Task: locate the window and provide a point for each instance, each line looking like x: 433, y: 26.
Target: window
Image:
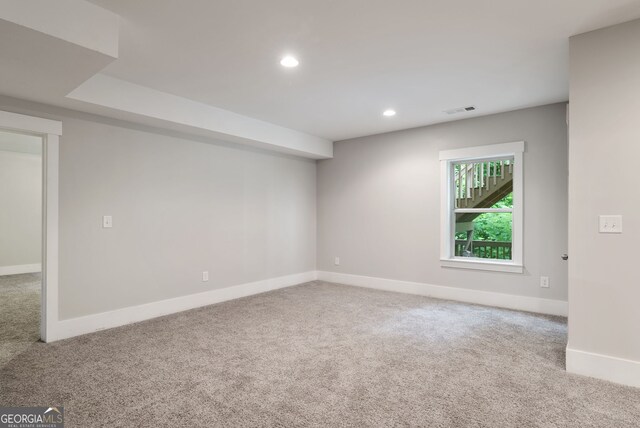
x: 482, y: 207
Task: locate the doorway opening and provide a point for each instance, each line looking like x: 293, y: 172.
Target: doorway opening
x: 21, y: 189
x: 46, y: 134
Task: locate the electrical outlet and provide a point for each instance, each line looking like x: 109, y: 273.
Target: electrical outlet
x: 610, y: 224
x: 337, y: 261
x: 544, y: 281
x: 205, y: 276
x: 107, y: 221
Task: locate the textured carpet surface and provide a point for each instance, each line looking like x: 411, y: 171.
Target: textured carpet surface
x: 19, y: 314
x: 321, y: 355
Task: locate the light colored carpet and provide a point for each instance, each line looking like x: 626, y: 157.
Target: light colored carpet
x: 19, y: 314
x: 321, y: 355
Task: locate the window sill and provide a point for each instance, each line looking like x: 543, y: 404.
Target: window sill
x: 479, y: 264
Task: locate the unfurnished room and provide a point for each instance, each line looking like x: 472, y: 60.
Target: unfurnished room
x: 319, y: 213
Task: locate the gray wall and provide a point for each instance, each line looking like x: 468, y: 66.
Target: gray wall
x: 179, y: 207
x: 20, y: 213
x: 379, y: 203
x: 604, y: 284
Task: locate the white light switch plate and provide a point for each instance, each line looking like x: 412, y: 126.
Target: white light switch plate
x: 205, y: 275
x: 107, y: 221
x: 610, y: 224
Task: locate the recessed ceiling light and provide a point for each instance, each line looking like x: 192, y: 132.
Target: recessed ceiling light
x: 289, y: 62
x: 389, y: 113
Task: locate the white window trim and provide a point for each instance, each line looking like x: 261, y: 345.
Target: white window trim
x: 447, y: 216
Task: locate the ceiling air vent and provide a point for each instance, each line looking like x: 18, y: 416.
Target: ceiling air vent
x: 460, y: 110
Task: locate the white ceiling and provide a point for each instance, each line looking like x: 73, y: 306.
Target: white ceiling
x: 357, y: 57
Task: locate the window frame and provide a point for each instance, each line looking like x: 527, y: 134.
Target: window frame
x: 447, y: 205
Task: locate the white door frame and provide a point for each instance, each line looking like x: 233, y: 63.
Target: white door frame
x: 50, y: 131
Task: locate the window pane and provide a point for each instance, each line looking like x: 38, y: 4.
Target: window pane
x: 486, y: 184
x: 486, y: 235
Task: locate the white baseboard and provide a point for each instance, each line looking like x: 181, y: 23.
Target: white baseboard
x: 613, y: 369
x: 509, y: 301
x: 64, y: 329
x: 18, y: 269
